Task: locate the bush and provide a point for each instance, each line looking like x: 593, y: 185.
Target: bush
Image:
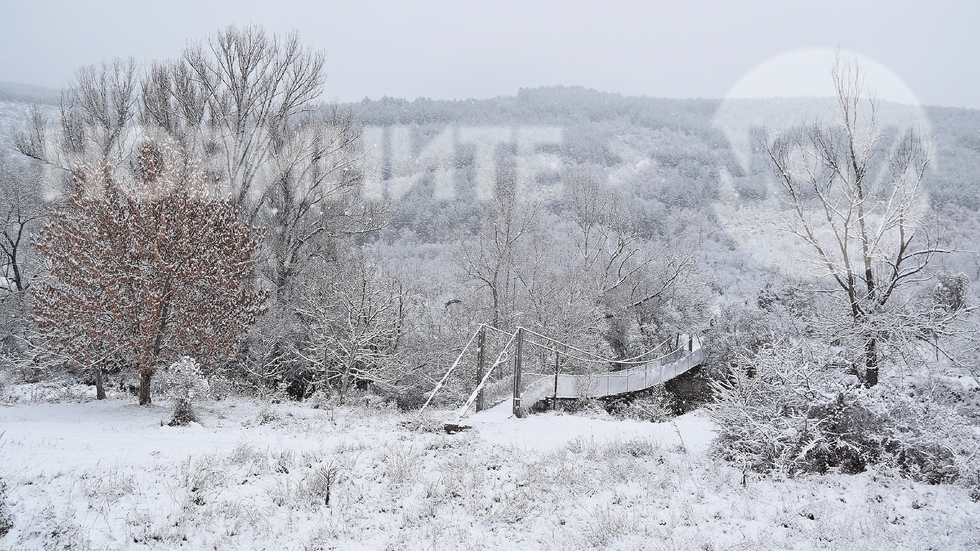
x: 799, y: 413
x: 319, y: 483
x: 6, y: 521
x: 656, y: 405
x: 184, y: 383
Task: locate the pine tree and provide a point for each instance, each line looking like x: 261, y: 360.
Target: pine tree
x: 147, y: 265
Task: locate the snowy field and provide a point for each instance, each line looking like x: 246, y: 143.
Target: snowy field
x: 84, y: 474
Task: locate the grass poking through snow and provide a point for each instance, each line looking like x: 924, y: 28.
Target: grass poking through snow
x: 287, y: 477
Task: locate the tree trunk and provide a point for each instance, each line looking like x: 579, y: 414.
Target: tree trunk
x: 99, y: 384
x: 871, y: 363
x: 145, y: 375
x: 344, y: 386
x: 18, y: 280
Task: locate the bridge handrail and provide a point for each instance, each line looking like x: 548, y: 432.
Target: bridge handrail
x: 690, y: 357
x: 451, y: 369
x: 486, y: 377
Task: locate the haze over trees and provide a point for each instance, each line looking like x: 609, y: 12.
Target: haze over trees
x: 213, y: 208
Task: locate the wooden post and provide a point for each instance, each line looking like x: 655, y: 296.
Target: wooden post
x: 517, y: 372
x: 554, y: 401
x: 481, y: 340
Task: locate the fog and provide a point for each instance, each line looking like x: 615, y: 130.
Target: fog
x: 446, y: 50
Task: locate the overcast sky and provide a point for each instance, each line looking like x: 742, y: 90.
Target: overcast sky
x: 456, y: 49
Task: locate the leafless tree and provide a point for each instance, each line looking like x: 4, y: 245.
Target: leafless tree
x: 606, y: 242
x: 96, y: 120
x: 249, y: 104
x: 313, y: 204
x: 21, y: 210
x: 246, y: 87
x: 492, y: 258
x: 633, y: 282
x: 356, y: 323
x: 855, y: 193
x: 587, y: 276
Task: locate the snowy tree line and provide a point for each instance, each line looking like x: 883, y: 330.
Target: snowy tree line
x: 307, y: 283
x: 238, y: 120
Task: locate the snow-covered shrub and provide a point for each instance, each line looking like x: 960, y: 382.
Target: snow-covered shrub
x: 184, y: 383
x: 413, y: 396
x: 319, y: 482
x: 321, y: 399
x: 961, y: 393
x: 657, y: 406
x: 268, y: 415
x: 587, y: 407
x: 924, y: 440
x: 798, y: 411
x: 951, y: 291
x: 221, y: 387
x: 6, y: 522
x: 423, y: 422
x: 738, y: 328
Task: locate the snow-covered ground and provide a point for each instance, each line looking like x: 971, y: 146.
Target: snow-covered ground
x: 83, y: 474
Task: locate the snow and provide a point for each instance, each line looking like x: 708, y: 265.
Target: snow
x: 86, y: 474
x: 549, y: 431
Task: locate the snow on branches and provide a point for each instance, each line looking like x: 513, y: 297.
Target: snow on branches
x: 148, y: 265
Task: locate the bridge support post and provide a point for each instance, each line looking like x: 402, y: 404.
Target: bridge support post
x: 481, y: 340
x: 517, y: 372
x: 554, y: 399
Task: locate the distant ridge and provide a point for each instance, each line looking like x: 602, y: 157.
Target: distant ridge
x: 11, y: 91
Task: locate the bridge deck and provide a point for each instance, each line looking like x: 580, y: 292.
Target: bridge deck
x: 541, y: 386
x: 599, y: 385
x: 537, y: 386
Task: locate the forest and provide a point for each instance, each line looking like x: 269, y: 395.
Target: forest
x: 204, y: 228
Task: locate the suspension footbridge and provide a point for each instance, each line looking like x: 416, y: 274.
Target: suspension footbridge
x: 527, y: 387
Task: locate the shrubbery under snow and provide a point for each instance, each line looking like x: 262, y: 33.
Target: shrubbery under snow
x: 789, y: 410
x: 184, y: 383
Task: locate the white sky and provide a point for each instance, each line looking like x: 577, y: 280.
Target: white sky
x: 456, y: 49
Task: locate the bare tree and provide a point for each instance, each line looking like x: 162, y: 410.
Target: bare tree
x: 21, y: 209
x: 22, y: 212
x: 632, y: 282
x: 587, y: 276
x: 245, y: 87
x: 248, y: 104
x: 313, y: 202
x: 356, y: 323
x: 854, y: 193
x: 606, y: 242
x: 492, y: 258
x: 96, y: 120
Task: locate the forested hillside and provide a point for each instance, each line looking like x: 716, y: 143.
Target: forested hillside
x: 674, y: 179
x: 207, y: 228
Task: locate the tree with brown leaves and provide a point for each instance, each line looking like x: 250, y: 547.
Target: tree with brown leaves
x: 147, y: 267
